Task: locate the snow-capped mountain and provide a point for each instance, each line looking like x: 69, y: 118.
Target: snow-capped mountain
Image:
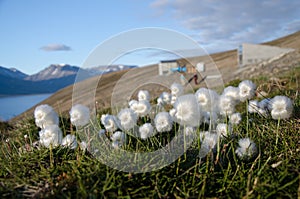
x: 12, y: 73
x: 54, y: 71
x: 48, y: 80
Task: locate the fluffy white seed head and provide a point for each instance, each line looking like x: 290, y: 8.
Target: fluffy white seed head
x: 51, y: 135
x: 247, y: 90
x: 146, y: 131
x: 281, y: 107
x: 173, y: 99
x: 69, y: 141
x: 128, y: 118
x: 110, y: 122
x: 141, y: 108
x: 143, y: 95
x: 226, y: 105
x: 80, y: 115
x: 160, y: 101
x: 253, y: 106
x: 246, y: 149
x: 82, y: 145
x: 45, y: 115
x: 262, y: 112
x: 223, y: 130
x: 118, y: 139
x: 233, y: 92
x: 172, y: 113
x: 132, y: 103
x: 176, y: 89
x: 235, y: 118
x: 208, y: 144
x: 187, y: 111
x: 163, y: 122
x: 166, y: 97
x: 207, y: 99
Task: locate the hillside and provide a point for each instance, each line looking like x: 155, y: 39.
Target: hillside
x: 225, y: 61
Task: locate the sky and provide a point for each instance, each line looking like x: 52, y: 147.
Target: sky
x: 35, y: 34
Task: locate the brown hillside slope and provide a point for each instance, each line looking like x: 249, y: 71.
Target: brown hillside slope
x: 124, y: 84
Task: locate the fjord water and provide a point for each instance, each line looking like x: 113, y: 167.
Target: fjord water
x: 11, y: 106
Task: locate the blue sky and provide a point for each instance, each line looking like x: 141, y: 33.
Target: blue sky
x: 35, y: 34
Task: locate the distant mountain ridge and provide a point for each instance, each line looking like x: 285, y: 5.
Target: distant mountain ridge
x: 48, y: 80
x: 54, y: 71
x: 12, y: 72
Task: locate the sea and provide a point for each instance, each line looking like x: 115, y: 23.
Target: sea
x: 11, y: 106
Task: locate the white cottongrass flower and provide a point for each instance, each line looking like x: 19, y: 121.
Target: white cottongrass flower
x: 176, y: 89
x: 247, y: 90
x: 132, y: 103
x: 110, y: 122
x: 50, y: 135
x: 83, y: 145
x: 253, y: 106
x: 226, y: 105
x: 143, y: 95
x: 173, y: 99
x: 207, y: 99
x: 246, y: 149
x: 160, y: 101
x: 223, y: 130
x: 146, y: 131
x: 118, y: 139
x: 141, y: 108
x: 262, y: 112
x: 69, y: 141
x: 163, y: 122
x: 166, y: 97
x: 208, y: 143
x: 45, y: 115
x: 187, y: 111
x: 233, y: 92
x: 172, y: 113
x: 80, y: 115
x: 235, y: 118
x: 281, y: 107
x: 128, y: 118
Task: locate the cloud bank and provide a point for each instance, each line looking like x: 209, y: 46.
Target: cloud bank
x: 55, y: 47
x: 216, y: 24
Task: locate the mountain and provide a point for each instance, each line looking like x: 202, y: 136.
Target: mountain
x: 54, y: 71
x: 50, y: 79
x: 12, y: 73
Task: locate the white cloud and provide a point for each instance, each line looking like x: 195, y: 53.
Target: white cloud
x: 218, y: 23
x: 159, y: 6
x: 56, y: 47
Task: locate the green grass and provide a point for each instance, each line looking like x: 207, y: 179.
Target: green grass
x: 26, y: 171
